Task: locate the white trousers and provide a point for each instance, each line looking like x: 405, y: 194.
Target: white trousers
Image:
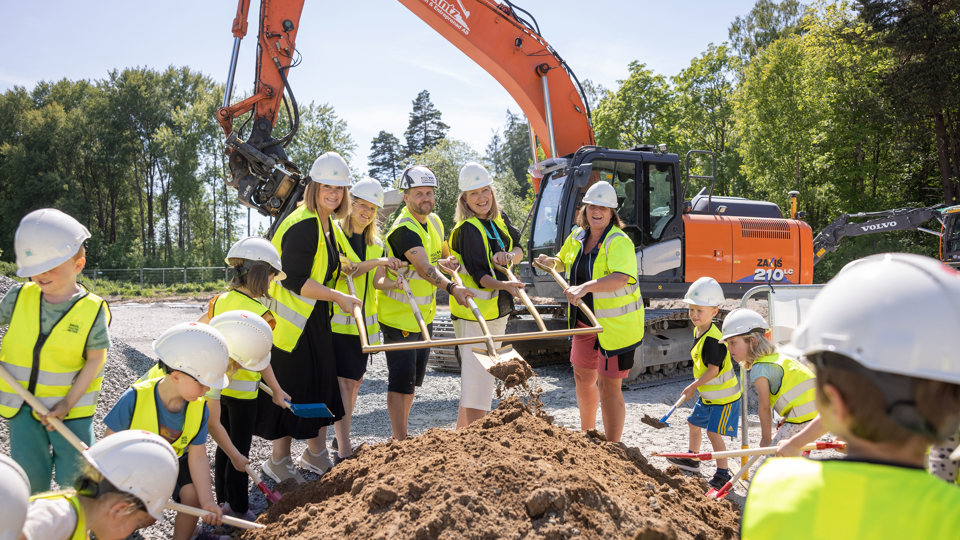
x: 476, y: 385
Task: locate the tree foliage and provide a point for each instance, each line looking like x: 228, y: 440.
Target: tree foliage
x: 425, y: 129
x: 385, y: 159
x: 767, y: 22
x: 639, y: 112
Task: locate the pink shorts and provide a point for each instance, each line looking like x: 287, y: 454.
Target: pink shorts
x: 584, y: 355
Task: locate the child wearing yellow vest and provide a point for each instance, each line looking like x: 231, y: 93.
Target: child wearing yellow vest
x: 194, y: 358
x: 883, y: 337
x: 255, y: 263
x: 128, y: 479
x: 718, y: 408
x: 55, y: 346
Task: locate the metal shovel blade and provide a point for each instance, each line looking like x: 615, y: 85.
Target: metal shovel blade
x: 310, y: 410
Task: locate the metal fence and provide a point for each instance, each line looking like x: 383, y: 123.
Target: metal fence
x: 159, y: 276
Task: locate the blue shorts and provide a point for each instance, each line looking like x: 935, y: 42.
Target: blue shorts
x: 722, y: 419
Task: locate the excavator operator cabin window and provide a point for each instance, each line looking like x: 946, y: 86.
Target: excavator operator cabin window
x: 622, y: 176
x: 661, y: 207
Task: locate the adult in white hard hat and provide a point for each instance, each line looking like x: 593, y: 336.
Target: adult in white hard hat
x: 883, y: 337
x: 417, y: 238
x: 15, y: 494
x: 56, y: 345
x: 483, y: 237
x: 303, y: 361
x: 362, y: 254
x: 601, y: 266
x: 193, y: 360
x: 129, y: 478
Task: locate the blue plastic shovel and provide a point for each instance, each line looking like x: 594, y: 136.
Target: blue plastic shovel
x: 303, y: 410
x: 661, y: 423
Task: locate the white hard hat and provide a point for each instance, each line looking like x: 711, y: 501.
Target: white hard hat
x: 248, y: 336
x: 601, y: 194
x: 196, y: 349
x: 474, y: 176
x: 254, y: 248
x: 742, y: 321
x: 15, y: 494
x: 140, y: 463
x: 369, y: 190
x: 705, y: 291
x: 896, y: 313
x: 330, y: 169
x: 45, y: 239
x: 417, y: 176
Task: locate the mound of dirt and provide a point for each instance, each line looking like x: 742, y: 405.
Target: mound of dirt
x: 510, y: 475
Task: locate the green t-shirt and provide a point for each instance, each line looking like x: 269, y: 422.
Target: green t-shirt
x: 50, y: 313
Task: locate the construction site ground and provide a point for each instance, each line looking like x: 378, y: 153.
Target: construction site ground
x: 525, y: 471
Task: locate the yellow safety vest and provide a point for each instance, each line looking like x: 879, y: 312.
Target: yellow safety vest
x: 620, y: 312
x: 394, y: 310
x: 80, y: 531
x: 795, y: 401
x: 803, y: 499
x: 486, y: 299
x: 344, y: 323
x: 47, y: 365
x: 290, y: 309
x: 244, y: 384
x: 145, y: 415
x: 723, y: 388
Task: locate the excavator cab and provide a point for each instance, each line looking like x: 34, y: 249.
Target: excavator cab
x: 950, y: 239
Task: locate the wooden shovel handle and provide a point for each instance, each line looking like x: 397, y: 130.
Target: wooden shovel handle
x: 563, y: 283
x: 38, y: 406
x: 358, y: 314
x: 523, y: 297
x: 227, y: 520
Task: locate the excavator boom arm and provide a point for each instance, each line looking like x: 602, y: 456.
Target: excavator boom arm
x: 900, y: 219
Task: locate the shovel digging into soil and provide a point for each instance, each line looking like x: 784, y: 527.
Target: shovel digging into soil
x: 661, y: 423
x: 505, y: 363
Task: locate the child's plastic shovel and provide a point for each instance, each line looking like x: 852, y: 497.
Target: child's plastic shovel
x: 303, y: 410
x: 272, y: 496
x: 718, y: 494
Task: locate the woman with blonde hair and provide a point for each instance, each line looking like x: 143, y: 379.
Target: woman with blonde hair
x: 303, y: 358
x: 482, y: 238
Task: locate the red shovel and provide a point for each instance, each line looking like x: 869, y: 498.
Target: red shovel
x: 272, y: 496
x: 718, y: 494
x: 764, y: 450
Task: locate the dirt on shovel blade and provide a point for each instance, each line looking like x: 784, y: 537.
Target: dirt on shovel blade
x: 655, y: 422
x: 512, y: 372
x: 508, y: 475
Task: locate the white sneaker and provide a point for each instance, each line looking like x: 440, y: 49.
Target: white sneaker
x: 281, y: 470
x: 318, y: 463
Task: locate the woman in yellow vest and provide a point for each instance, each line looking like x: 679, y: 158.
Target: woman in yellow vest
x: 303, y: 358
x: 481, y: 238
x: 358, y: 239
x: 601, y: 265
x: 783, y: 384
x: 233, y: 411
x: 128, y: 479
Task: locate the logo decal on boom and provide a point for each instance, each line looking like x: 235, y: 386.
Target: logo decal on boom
x: 454, y: 14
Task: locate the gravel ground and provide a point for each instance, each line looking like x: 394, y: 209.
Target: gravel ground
x: 136, y: 325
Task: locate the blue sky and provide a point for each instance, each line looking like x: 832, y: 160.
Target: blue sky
x: 368, y: 59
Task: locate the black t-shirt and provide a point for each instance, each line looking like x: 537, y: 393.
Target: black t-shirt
x: 713, y: 352
x: 468, y: 242
x: 582, y: 271
x: 358, y: 244
x: 299, y: 247
x: 403, y: 239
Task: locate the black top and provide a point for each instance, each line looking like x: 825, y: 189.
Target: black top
x: 358, y: 244
x: 468, y: 242
x: 713, y: 352
x: 582, y: 271
x: 403, y: 239
x: 299, y: 247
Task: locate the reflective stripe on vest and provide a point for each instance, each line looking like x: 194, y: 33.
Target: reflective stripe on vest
x: 292, y: 310
x: 145, y: 415
x: 243, y: 383
x: 47, y: 365
x: 795, y: 400
x: 80, y: 531
x: 723, y: 388
x: 393, y: 309
x: 804, y: 499
x: 344, y: 323
x: 487, y: 300
x: 621, y: 312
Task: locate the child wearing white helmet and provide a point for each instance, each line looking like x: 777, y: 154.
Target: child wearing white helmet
x: 883, y: 338
x: 483, y: 237
x: 15, y: 494
x: 361, y: 250
x: 128, y: 479
x: 56, y: 346
x: 718, y: 408
x: 194, y: 358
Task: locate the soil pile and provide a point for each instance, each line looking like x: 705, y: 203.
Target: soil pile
x: 512, y: 372
x: 510, y: 475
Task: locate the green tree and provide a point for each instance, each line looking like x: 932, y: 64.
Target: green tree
x: 767, y: 22
x: 509, y: 153
x: 446, y: 159
x: 425, y: 129
x: 321, y: 130
x: 385, y: 159
x: 639, y: 112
